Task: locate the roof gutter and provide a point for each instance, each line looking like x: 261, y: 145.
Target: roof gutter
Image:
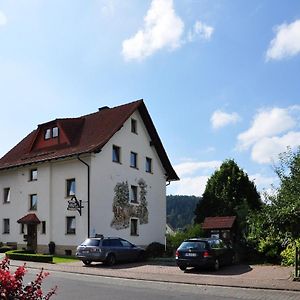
x: 88, y: 196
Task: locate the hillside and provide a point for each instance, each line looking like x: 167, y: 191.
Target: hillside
x: 180, y: 210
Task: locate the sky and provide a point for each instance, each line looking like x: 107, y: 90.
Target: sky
x: 220, y: 78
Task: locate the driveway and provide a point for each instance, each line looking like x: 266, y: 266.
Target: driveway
x: 248, y: 276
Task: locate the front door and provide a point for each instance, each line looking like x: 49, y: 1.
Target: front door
x: 32, y: 237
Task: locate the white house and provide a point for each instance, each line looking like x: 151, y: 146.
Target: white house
x: 102, y: 173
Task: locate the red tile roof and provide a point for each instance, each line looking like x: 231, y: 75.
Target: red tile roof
x: 218, y: 222
x: 29, y: 219
x: 85, y: 134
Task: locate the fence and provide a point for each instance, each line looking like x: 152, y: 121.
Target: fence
x: 297, y: 263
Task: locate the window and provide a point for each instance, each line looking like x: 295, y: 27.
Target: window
x: 116, y: 154
x: 43, y: 231
x: 71, y: 187
x: 55, y: 132
x: 133, y: 159
x: 6, y: 226
x: 33, y: 174
x: 134, y: 227
x: 133, y: 126
x: 148, y: 165
x: 51, y: 133
x: 71, y: 225
x: 134, y: 194
x: 6, y: 193
x: 33, y: 202
x: 22, y: 228
x: 47, y: 134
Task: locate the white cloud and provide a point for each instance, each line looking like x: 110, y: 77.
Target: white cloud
x: 188, y: 186
x: 272, y: 131
x: 220, y: 119
x: 162, y: 29
x: 267, y: 149
x: 202, y: 30
x: 267, y: 123
x: 188, y: 168
x: 193, y: 177
x: 262, y: 181
x: 286, y: 42
x: 3, y: 19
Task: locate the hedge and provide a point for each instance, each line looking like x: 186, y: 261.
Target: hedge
x: 4, y: 249
x: 24, y: 255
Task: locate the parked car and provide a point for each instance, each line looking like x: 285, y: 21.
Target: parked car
x: 108, y: 250
x: 204, y: 252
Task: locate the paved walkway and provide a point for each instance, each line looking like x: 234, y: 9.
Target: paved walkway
x: 257, y: 276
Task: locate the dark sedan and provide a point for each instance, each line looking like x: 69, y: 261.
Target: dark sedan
x: 204, y: 252
x: 108, y: 250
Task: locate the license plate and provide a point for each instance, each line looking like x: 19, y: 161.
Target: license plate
x: 191, y: 254
x: 85, y: 251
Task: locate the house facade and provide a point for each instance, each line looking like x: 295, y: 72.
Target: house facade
x: 103, y: 173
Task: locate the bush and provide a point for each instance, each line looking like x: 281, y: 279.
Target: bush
x: 288, y: 254
x: 4, y: 249
x: 155, y: 249
x: 12, y: 286
x: 24, y: 255
x: 174, y: 241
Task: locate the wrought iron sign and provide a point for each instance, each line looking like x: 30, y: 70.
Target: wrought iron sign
x: 74, y: 204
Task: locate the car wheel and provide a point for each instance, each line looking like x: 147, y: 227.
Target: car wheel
x: 141, y: 256
x: 87, y: 262
x: 182, y: 267
x: 216, y: 265
x: 110, y: 260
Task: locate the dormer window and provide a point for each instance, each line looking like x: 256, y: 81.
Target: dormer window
x: 47, y: 134
x: 51, y: 133
x: 55, y: 132
x: 133, y: 126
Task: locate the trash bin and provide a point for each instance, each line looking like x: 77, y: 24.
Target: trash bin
x: 51, y: 246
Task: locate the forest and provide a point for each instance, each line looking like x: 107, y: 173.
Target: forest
x: 181, y: 210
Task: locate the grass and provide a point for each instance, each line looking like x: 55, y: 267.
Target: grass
x: 64, y: 259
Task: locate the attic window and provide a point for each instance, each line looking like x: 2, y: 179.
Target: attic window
x: 133, y: 126
x: 51, y: 133
x: 55, y: 132
x: 47, y: 134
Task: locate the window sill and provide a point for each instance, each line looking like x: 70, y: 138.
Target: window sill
x: 6, y: 202
x: 134, y: 167
x: 5, y: 233
x: 134, y: 235
x: 117, y: 162
x: 71, y: 233
x: 134, y: 202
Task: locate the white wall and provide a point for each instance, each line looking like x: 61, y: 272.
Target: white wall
x: 106, y: 174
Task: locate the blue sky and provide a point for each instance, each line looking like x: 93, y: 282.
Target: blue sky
x: 220, y: 78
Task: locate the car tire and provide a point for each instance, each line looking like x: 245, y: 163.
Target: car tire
x: 141, y: 256
x: 87, y: 262
x: 182, y: 267
x: 216, y: 265
x: 110, y: 260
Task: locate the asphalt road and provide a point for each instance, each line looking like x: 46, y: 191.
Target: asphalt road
x: 88, y: 287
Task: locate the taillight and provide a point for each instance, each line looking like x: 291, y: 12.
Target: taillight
x: 177, y: 254
x: 206, y: 254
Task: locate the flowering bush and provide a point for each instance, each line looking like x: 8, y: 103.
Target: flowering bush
x: 12, y: 287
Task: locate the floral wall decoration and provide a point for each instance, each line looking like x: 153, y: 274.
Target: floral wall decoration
x: 122, y: 208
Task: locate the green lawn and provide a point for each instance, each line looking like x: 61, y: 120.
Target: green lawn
x: 64, y: 259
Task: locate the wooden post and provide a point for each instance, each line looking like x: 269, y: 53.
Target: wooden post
x: 297, y: 262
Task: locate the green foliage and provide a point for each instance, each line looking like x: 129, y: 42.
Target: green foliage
x: 288, y: 254
x: 229, y: 192
x: 23, y: 255
x: 180, y: 210
x: 174, y: 241
x: 278, y: 222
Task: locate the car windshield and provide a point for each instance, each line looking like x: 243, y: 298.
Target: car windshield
x: 198, y: 245
x: 90, y: 242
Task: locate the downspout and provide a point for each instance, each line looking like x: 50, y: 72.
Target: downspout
x: 88, y: 195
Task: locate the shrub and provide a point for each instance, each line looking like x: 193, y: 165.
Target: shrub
x: 24, y: 255
x: 155, y: 249
x: 4, y: 249
x: 12, y: 287
x: 288, y: 254
x: 174, y: 241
